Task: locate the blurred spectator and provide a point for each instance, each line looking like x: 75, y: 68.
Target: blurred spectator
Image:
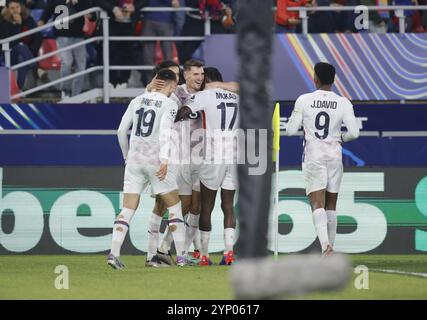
x: 123, y: 17
x: 179, y: 19
x: 194, y: 25
x: 68, y: 36
x: 378, y: 20
x: 423, y: 14
x: 158, y: 24
x: 344, y: 20
x: 286, y: 21
x: 321, y: 21
x: 35, y: 4
x: 394, y: 25
x: 16, y: 19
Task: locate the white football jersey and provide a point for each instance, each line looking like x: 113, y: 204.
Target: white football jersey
x: 322, y: 113
x: 188, y: 126
x: 152, y: 117
x: 220, y: 117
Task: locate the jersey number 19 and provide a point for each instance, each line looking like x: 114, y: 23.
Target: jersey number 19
x: 145, y: 123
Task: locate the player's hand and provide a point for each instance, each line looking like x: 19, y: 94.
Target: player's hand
x: 17, y: 18
x: 161, y: 174
x: 156, y: 84
x: 294, y: 21
x: 40, y: 23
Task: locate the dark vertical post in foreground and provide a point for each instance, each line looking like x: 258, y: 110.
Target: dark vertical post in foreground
x: 255, y: 28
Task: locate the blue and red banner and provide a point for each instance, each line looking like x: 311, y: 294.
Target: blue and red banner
x: 369, y: 66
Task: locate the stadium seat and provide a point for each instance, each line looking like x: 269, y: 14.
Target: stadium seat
x: 53, y: 62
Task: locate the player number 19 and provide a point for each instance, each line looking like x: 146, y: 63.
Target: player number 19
x: 145, y: 120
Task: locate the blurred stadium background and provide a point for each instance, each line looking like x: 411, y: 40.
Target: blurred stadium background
x: 61, y: 170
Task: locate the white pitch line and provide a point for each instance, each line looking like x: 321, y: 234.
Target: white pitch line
x: 416, y: 274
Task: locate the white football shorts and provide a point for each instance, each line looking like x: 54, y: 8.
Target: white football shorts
x: 188, y: 179
x: 215, y: 176
x: 138, y: 177
x: 320, y: 175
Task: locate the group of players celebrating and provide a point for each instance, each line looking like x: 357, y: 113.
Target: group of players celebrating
x: 183, y: 145
x: 173, y: 126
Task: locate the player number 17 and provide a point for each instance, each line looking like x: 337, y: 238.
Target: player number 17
x: 224, y: 107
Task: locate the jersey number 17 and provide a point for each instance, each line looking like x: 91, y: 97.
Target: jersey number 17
x: 224, y: 107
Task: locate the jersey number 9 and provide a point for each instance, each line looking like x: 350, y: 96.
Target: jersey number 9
x: 322, y: 124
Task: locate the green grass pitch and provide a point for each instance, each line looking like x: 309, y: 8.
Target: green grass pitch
x: 33, y: 277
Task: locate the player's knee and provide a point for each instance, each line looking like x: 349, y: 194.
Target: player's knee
x: 317, y: 205
x: 185, y: 209
x: 195, y: 209
x: 123, y: 219
x: 159, y: 210
x: 331, y: 207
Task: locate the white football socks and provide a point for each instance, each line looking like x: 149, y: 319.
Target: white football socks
x: 196, y: 241
x: 332, y: 226
x: 229, y: 239
x: 321, y: 224
x: 204, y: 243
x: 166, y: 244
x: 177, y: 227
x: 153, y: 235
x: 120, y: 228
x: 192, y: 228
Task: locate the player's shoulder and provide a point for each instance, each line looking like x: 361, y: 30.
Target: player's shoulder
x: 304, y: 97
x: 169, y: 101
x: 138, y: 99
x: 200, y: 95
x: 175, y: 98
x: 336, y: 96
x: 344, y: 101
